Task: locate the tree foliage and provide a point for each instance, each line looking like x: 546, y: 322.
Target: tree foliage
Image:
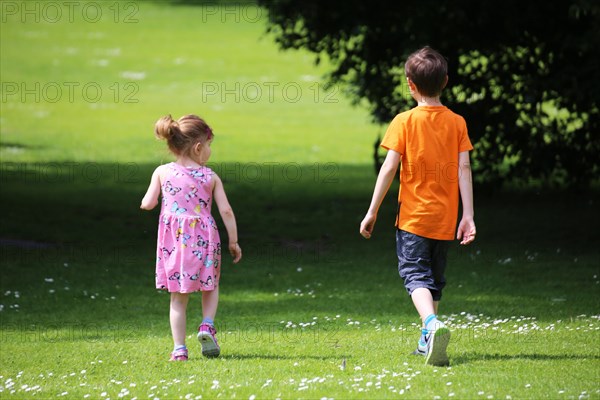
x: 524, y: 74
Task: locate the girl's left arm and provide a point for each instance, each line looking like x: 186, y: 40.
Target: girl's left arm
x: 228, y: 218
x: 150, y: 200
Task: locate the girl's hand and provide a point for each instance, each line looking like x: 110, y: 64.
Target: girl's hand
x: 236, y: 252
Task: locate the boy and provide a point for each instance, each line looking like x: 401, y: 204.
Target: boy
x: 431, y: 144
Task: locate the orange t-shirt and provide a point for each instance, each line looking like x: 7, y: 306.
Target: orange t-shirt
x: 428, y: 139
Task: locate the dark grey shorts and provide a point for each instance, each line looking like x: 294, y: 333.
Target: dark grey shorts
x: 422, y: 262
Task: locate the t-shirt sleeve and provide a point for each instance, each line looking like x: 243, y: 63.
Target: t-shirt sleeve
x: 394, y: 136
x: 464, y: 143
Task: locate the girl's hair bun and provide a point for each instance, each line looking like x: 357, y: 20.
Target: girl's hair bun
x: 166, y: 128
x: 183, y: 134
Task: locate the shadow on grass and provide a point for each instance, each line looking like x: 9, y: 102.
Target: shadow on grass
x: 298, y: 225
x: 479, y: 357
x: 276, y: 357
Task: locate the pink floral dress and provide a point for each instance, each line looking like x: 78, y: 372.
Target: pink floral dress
x: 189, y: 248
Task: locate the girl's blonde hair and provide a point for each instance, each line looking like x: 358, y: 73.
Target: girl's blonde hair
x: 183, y: 134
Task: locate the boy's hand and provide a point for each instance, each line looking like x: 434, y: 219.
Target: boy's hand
x: 466, y: 230
x: 367, y: 225
x: 236, y: 252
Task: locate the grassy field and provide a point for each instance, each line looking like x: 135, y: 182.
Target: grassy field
x: 313, y: 310
x: 86, y: 91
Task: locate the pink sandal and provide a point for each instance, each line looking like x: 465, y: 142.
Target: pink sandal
x: 208, y: 340
x: 179, y: 355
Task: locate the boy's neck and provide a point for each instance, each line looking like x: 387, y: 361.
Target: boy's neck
x: 429, y: 103
x: 424, y: 101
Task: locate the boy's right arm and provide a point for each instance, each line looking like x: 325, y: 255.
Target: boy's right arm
x: 384, y: 180
x: 150, y: 199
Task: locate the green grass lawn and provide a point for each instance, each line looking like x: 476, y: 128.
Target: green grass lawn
x: 313, y: 310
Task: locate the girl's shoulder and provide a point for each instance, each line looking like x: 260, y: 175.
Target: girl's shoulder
x: 163, y: 169
x: 204, y: 171
x: 214, y: 177
x: 210, y: 171
x: 202, y: 174
x: 159, y: 171
x: 169, y: 171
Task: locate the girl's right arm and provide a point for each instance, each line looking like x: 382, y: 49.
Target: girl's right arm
x: 228, y: 219
x: 150, y: 200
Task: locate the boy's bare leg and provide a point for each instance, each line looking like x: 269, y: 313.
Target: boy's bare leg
x: 423, y: 302
x: 435, y: 347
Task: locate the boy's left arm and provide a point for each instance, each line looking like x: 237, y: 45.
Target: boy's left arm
x: 466, y: 228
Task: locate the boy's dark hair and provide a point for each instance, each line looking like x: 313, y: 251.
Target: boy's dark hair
x: 428, y: 70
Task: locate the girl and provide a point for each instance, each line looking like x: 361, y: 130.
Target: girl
x: 188, y: 255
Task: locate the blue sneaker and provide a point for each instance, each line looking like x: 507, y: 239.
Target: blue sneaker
x: 421, y: 349
x: 436, y: 347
